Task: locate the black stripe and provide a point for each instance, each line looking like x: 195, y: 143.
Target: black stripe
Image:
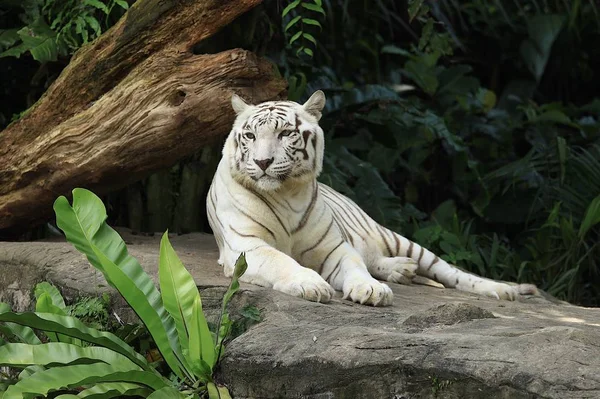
x: 263, y: 199
x: 334, y: 269
x: 433, y: 262
x: 256, y: 221
x: 421, y: 255
x: 342, y: 219
x: 349, y: 217
x: 387, y: 246
x: 320, y: 240
x: 353, y: 205
x: 309, y: 209
x: 328, y: 255
x: 397, y: 244
x: 242, y: 234
x: 409, y: 252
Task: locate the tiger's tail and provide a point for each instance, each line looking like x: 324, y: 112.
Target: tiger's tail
x: 431, y: 266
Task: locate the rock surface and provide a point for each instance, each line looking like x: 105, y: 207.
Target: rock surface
x: 432, y: 343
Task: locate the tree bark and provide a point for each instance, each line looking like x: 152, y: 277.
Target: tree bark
x: 134, y: 101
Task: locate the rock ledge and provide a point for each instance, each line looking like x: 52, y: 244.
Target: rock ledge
x: 432, y: 343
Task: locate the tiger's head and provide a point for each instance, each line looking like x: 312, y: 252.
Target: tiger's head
x: 276, y: 144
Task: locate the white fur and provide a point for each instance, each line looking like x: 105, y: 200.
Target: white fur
x: 299, y: 236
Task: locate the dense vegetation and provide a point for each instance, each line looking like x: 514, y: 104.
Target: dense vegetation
x: 471, y: 127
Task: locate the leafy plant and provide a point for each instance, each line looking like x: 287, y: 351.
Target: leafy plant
x: 56, y: 28
x: 174, y: 319
x: 302, y: 15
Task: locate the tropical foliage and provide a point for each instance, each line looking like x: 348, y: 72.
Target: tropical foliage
x: 53, y: 28
x: 73, y: 357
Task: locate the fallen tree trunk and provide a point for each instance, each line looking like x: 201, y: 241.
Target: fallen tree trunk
x: 135, y: 100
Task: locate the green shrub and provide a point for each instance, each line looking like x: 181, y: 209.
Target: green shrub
x: 77, y: 357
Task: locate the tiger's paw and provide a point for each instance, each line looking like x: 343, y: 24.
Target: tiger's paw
x: 493, y: 289
x: 367, y: 291
x: 307, y: 284
x: 398, y: 269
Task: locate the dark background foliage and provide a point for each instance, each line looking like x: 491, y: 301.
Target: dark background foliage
x: 471, y: 127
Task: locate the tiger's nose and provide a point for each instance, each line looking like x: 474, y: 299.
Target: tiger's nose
x: 263, y: 163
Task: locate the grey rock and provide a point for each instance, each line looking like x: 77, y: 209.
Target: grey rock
x: 432, y: 343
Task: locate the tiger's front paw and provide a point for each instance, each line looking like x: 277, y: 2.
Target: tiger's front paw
x: 307, y: 284
x: 367, y: 291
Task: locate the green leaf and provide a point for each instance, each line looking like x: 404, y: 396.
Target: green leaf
x: 166, y: 393
x: 561, y: 146
x: 591, y: 218
x: 138, y: 301
x: 311, y: 38
x: 94, y: 24
x: 114, y: 389
x: 289, y: 8
x: 180, y: 295
x: 292, y: 23
x: 224, y: 322
x: 413, y: 9
x: 310, y: 21
x: 295, y: 37
x: 314, y: 7
x: 217, y: 392
x: 85, y: 227
x: 29, y: 370
x: 40, y: 40
x: 391, y: 49
x: 426, y: 33
x: 122, y: 3
x: 202, y: 349
x: 308, y: 51
x: 15, y: 51
x: 422, y: 70
x: 535, y: 50
x: 97, y: 4
x: 24, y: 333
x: 53, y: 353
x: 81, y: 28
x: 44, y: 305
x: 8, y: 37
x: 553, y: 116
x: 74, y: 328
x: 52, y: 291
x: 43, y: 382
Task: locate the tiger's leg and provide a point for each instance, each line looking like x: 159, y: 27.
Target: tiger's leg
x: 269, y: 267
x: 398, y: 269
x: 343, y: 267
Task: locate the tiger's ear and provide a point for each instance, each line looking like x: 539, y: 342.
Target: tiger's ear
x: 238, y: 104
x: 314, y: 105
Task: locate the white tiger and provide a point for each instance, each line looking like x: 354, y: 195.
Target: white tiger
x: 302, y: 237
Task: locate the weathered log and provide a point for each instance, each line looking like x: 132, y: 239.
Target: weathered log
x: 134, y: 101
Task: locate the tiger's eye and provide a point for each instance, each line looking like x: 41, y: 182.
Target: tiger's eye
x: 249, y: 136
x: 285, y: 133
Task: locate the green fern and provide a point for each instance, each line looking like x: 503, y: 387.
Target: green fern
x: 55, y: 28
x: 301, y: 21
